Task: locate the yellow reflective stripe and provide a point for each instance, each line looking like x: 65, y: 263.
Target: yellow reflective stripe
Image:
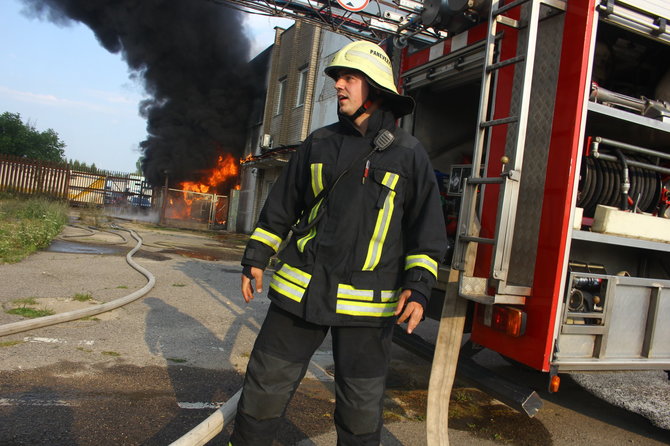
x: 295, y: 275
x: 316, y: 170
x: 286, y: 288
x: 317, y: 178
x: 366, y: 309
x: 421, y: 261
x: 302, y: 242
x: 390, y: 180
x: 379, y: 235
x: 349, y: 292
x: 384, y: 68
x: 270, y: 239
x: 390, y: 296
x: 376, y: 245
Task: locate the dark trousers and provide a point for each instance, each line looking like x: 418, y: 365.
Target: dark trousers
x: 279, y: 361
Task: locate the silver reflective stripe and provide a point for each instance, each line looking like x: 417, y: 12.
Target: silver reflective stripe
x: 349, y: 292
x: 379, y: 236
x: 295, y: 275
x: 390, y: 180
x: 355, y: 302
x: 388, y: 296
x: 421, y: 261
x: 267, y: 237
x: 380, y: 65
x: 382, y: 225
x: 365, y: 308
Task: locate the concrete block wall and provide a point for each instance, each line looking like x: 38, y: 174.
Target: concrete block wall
x: 295, y: 49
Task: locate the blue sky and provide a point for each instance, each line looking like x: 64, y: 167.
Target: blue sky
x: 61, y: 78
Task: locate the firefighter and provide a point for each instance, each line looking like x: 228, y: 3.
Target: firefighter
x: 361, y: 204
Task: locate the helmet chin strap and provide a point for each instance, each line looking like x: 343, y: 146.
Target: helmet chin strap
x: 372, y: 97
x: 362, y: 109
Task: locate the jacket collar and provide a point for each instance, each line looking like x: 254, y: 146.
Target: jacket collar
x: 380, y: 119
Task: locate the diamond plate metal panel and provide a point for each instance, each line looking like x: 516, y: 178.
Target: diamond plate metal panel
x: 545, y: 76
x: 473, y: 286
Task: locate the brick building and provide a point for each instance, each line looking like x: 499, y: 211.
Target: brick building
x: 298, y: 99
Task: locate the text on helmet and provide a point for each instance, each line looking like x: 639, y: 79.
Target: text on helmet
x: 380, y: 55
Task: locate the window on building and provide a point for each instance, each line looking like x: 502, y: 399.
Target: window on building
x: 281, y: 93
x: 302, y: 87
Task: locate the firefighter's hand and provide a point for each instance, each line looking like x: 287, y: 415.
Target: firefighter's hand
x: 247, y: 289
x: 411, y: 312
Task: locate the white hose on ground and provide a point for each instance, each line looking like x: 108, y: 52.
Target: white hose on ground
x: 212, y: 425
x: 17, y: 327
x: 199, y: 435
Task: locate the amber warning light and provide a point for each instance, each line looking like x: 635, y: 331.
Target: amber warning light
x: 509, y: 320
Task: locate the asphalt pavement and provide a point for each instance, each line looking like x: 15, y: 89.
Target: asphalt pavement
x: 148, y: 372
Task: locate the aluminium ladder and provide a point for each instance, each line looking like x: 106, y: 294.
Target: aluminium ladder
x: 470, y: 286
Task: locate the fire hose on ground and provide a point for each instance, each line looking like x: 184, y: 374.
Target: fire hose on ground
x: 212, y: 425
x: 18, y: 327
x: 202, y: 433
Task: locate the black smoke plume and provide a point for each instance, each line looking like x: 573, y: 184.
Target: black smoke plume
x: 191, y: 56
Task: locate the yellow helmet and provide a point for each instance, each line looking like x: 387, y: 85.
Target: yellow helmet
x: 374, y: 63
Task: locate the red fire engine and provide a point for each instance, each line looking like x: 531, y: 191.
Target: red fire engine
x: 563, y: 234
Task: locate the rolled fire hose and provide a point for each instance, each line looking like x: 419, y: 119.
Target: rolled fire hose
x: 17, y: 327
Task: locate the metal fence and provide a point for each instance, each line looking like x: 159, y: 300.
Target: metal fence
x: 122, y: 195
x: 194, y: 210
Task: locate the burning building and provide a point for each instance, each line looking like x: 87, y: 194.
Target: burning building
x: 204, y: 203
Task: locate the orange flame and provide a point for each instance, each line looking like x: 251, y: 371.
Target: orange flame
x: 227, y: 167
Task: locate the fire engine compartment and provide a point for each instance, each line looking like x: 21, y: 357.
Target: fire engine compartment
x: 613, y: 310
x: 629, y: 105
x: 633, y: 120
x: 616, y: 307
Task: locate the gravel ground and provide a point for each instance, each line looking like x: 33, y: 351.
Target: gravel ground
x: 644, y: 392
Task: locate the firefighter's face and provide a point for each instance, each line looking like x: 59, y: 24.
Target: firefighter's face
x: 352, y: 91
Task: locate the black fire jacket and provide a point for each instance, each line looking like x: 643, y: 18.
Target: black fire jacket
x: 378, y: 231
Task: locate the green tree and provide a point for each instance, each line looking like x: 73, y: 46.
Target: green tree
x: 23, y: 140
